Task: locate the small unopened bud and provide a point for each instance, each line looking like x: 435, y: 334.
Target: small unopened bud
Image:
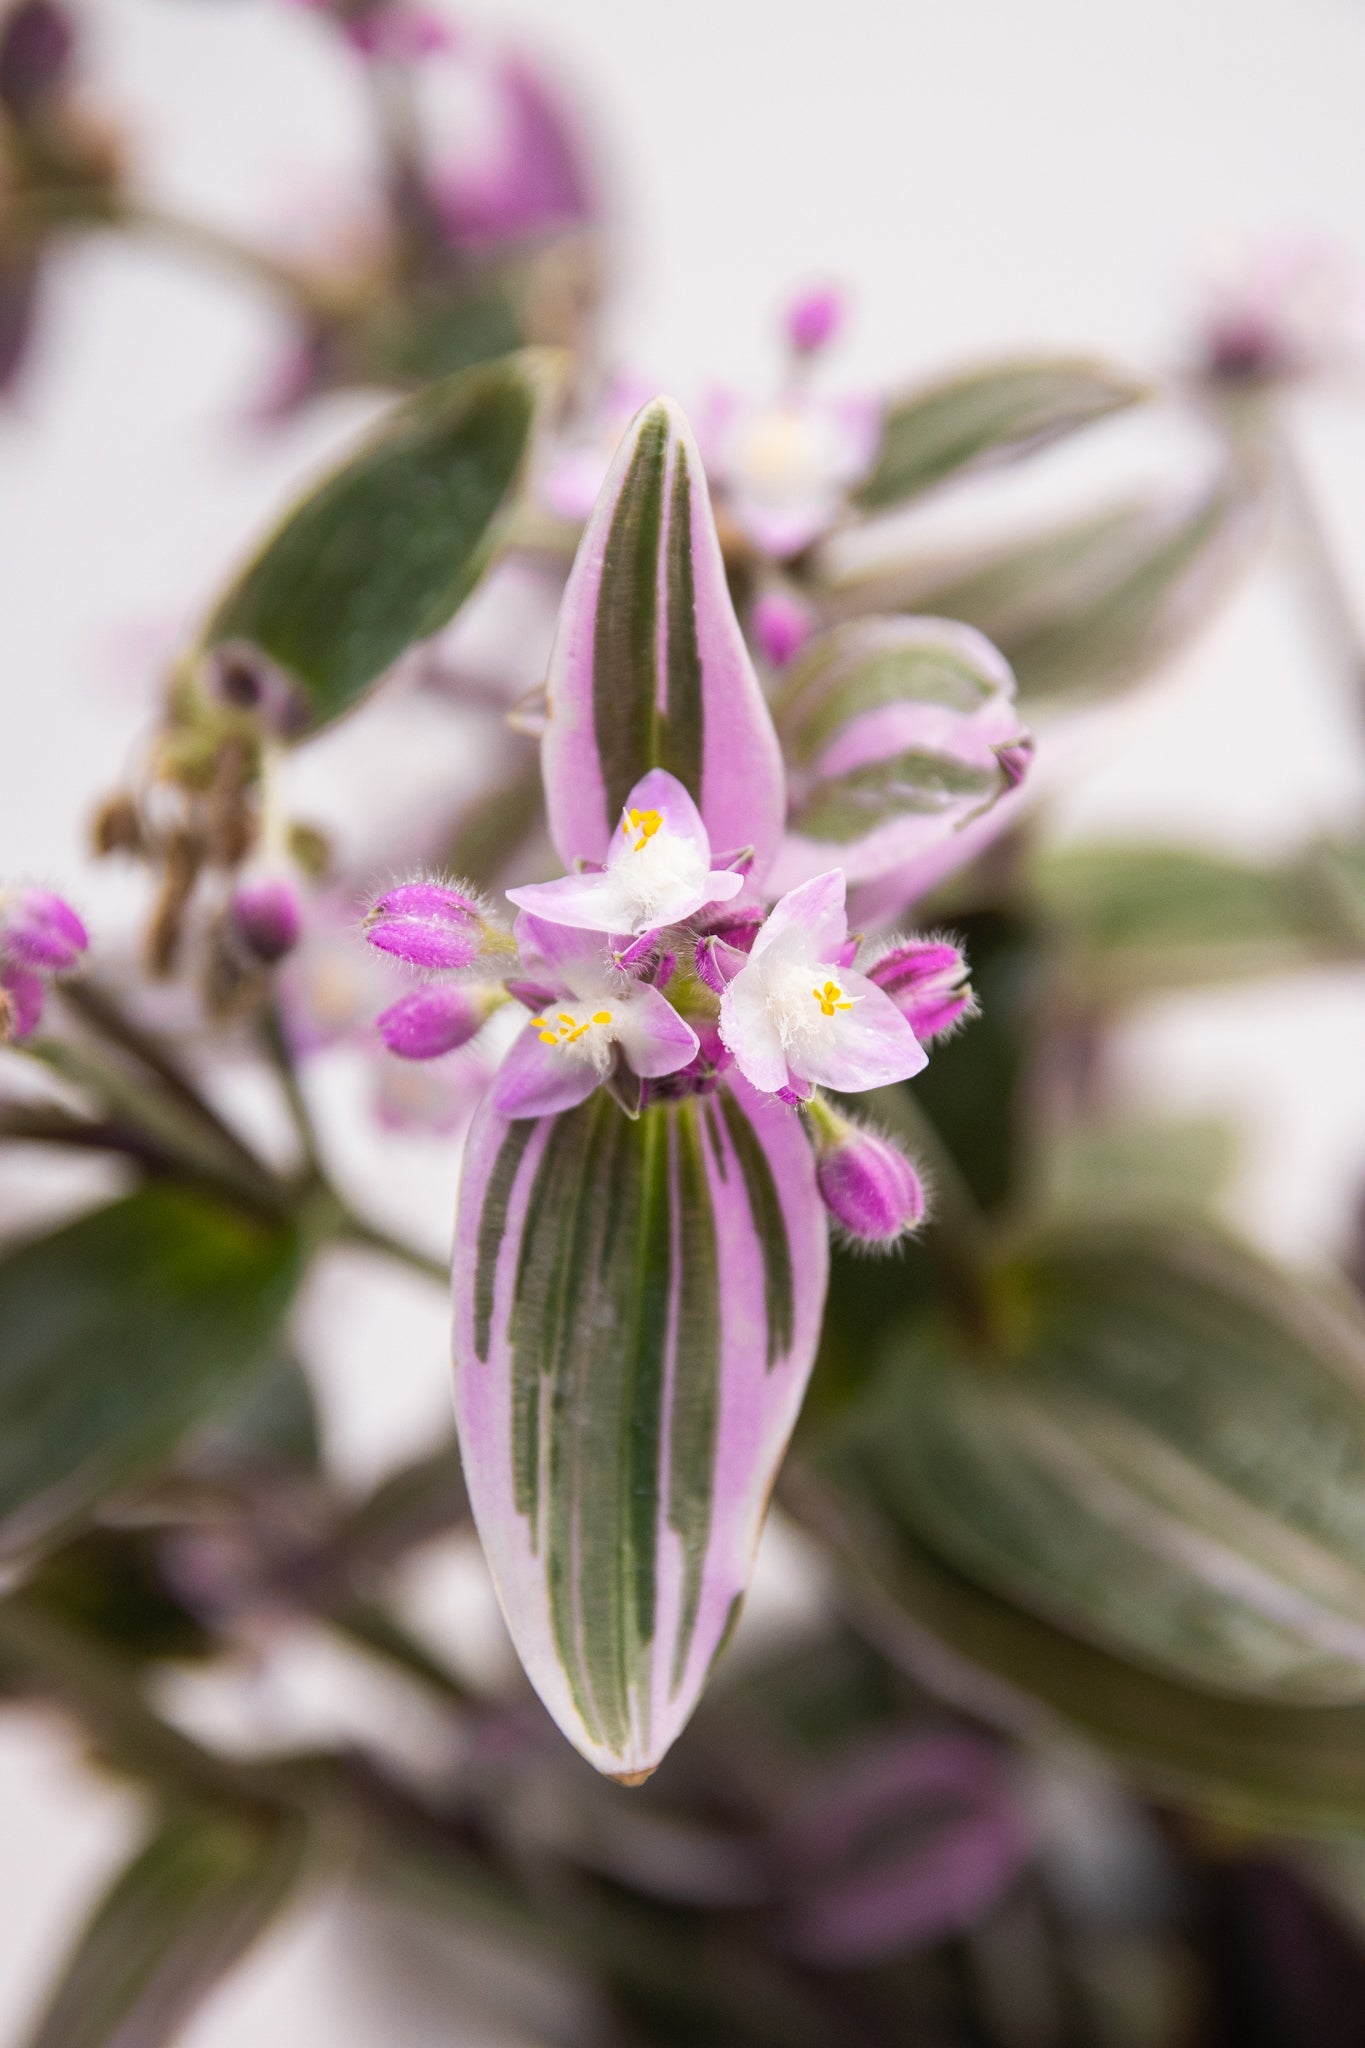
x: 868, y: 1185
x: 781, y: 624
x: 927, y: 981
x: 40, y: 931
x: 1015, y: 758
x: 267, y: 917
x: 21, y: 1003
x: 429, y: 924
x: 436, y: 1020
x: 814, y: 318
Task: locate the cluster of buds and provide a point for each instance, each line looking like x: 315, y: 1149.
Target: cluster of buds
x: 443, y: 928
x: 210, y: 819
x: 651, y: 974
x: 40, y: 936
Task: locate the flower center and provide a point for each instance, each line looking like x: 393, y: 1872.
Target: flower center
x: 568, y: 1026
x: 646, y: 823
x: 831, y: 998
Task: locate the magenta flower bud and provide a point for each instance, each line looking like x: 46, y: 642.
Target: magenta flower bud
x: 21, y: 1003
x: 267, y: 917
x: 428, y: 924
x: 927, y: 981
x: 868, y: 1185
x: 436, y: 1020
x: 814, y: 318
x: 40, y: 931
x: 781, y: 626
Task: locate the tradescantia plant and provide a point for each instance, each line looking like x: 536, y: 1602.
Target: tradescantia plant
x: 743, y: 952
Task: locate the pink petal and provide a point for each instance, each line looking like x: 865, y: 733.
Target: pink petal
x: 874, y: 1045
x: 817, y: 909
x: 653, y: 1037
x: 748, y: 1030
x: 541, y: 1080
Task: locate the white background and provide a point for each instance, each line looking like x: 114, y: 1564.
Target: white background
x: 981, y: 176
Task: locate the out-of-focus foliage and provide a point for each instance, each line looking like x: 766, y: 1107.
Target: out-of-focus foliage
x: 1080, y: 1480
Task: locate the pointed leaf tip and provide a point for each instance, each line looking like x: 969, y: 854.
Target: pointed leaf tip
x: 649, y: 668
x: 636, y: 1311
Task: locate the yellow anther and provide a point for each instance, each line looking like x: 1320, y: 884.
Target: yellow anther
x: 646, y: 823
x: 831, y: 998
x: 567, y: 1017
x: 601, y: 1016
x: 539, y: 1024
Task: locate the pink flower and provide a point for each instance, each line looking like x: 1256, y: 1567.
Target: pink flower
x: 267, y: 916
x: 588, y: 1014
x: 797, y: 1015
x: 658, y: 869
x: 785, y: 468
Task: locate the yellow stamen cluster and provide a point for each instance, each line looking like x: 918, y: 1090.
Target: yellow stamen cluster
x: 566, y: 1030
x: 646, y: 823
x: 831, y: 998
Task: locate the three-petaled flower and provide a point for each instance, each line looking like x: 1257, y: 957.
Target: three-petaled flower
x: 658, y: 870
x: 588, y: 1015
x: 797, y: 1015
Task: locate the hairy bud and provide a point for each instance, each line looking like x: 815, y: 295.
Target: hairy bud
x: 868, y: 1185
x: 429, y: 924
x: 436, y: 1020
x: 40, y: 931
x: 927, y: 981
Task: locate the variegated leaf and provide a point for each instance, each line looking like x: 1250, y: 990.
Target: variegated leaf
x: 1085, y: 608
x: 649, y: 668
x: 385, y: 550
x: 1166, y: 1454
x: 898, y: 732
x: 637, y: 1307
x: 988, y: 416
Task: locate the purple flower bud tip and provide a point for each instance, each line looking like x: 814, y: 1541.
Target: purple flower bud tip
x: 814, y: 318
x: 35, y: 53
x: 268, y: 918
x: 1015, y: 758
x: 781, y: 626
x: 436, y: 1020
x: 21, y: 1003
x: 927, y: 981
x: 428, y: 924
x: 868, y: 1185
x: 40, y: 931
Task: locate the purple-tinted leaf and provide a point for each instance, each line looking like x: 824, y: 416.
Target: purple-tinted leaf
x: 649, y: 668
x: 637, y: 1305
x: 907, y: 1842
x: 899, y: 733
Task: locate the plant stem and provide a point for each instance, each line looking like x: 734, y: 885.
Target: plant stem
x: 353, y: 1229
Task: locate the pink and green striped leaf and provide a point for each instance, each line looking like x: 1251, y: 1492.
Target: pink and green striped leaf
x: 649, y: 668
x: 637, y: 1308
